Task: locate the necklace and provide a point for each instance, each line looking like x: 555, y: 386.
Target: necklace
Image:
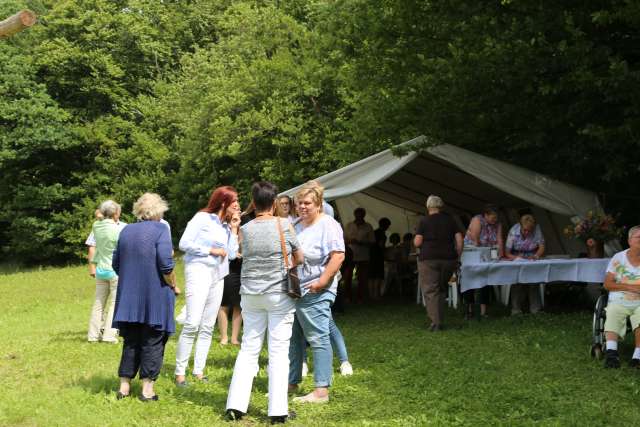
x: 264, y: 214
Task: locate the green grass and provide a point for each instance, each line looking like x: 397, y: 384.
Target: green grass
x: 504, y: 371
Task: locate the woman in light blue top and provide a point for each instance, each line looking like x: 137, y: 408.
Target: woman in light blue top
x: 322, y: 242
x: 209, y: 242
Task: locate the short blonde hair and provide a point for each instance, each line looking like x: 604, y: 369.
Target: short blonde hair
x: 527, y: 220
x: 150, y: 206
x: 434, y: 202
x: 314, y: 189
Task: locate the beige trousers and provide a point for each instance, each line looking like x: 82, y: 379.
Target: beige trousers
x: 434, y: 276
x: 102, y: 312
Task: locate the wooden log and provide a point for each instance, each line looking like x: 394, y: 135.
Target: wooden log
x: 18, y: 22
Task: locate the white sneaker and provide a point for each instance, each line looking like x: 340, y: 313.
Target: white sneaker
x: 346, y: 369
x: 305, y: 369
x: 182, y: 316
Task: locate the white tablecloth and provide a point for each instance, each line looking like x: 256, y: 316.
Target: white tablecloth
x: 479, y: 275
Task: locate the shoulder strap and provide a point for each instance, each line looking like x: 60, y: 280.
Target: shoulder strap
x: 283, y: 245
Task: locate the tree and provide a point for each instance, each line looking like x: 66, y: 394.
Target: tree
x: 544, y: 85
x: 245, y: 108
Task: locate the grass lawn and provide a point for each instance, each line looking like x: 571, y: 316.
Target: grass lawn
x: 503, y: 371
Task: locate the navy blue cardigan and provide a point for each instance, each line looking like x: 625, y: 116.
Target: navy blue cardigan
x: 142, y: 256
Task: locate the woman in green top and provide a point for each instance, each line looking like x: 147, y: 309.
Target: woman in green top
x: 106, y: 233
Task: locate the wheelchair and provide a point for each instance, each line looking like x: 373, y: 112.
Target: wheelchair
x: 598, y: 338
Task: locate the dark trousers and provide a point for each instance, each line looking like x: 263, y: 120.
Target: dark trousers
x: 434, y: 278
x: 143, y: 350
x: 469, y: 296
x: 362, y: 267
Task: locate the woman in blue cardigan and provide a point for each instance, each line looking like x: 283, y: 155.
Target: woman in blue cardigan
x: 146, y: 295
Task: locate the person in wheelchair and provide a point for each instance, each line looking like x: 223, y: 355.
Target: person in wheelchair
x: 623, y: 283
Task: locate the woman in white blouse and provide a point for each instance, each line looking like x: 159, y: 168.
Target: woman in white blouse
x: 209, y: 241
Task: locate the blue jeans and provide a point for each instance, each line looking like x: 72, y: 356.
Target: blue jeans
x: 313, y: 315
x: 337, y: 341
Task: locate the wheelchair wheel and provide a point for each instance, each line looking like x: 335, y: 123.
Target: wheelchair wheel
x: 597, y: 334
x: 596, y: 352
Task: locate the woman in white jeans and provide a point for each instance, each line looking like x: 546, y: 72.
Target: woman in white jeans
x: 265, y: 305
x: 209, y: 241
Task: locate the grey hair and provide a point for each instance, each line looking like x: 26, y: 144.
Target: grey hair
x: 109, y: 208
x: 150, y: 206
x: 633, y: 231
x: 434, y: 202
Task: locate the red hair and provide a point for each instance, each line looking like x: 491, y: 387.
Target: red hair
x: 221, y: 198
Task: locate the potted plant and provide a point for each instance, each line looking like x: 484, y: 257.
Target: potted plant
x: 594, y: 230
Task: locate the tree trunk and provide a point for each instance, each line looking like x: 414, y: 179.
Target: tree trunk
x: 18, y: 22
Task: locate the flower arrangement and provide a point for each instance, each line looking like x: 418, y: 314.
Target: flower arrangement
x: 597, y: 226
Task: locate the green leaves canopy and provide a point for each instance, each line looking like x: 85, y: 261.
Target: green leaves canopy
x: 114, y: 98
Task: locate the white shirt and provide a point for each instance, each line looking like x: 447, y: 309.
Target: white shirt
x: 362, y: 233
x: 624, y: 272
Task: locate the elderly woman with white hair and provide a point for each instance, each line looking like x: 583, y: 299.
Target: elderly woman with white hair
x: 105, y: 232
x: 146, y: 295
x: 623, y: 283
x: 440, y: 243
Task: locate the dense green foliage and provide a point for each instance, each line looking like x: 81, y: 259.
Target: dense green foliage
x: 524, y: 371
x: 111, y: 98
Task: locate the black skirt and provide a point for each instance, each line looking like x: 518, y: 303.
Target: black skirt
x: 231, y: 293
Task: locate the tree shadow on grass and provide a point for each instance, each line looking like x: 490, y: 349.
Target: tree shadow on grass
x: 98, y: 384
x: 109, y: 385
x: 80, y: 336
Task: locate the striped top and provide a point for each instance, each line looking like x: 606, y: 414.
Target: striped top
x: 142, y: 255
x: 263, y: 268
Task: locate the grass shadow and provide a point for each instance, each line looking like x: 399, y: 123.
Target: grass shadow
x: 80, y: 336
x: 99, y: 384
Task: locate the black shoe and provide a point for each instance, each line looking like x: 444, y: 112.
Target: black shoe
x: 120, y: 396
x: 153, y: 398
x: 233, y: 415
x: 611, y: 359
x: 281, y: 419
x: 634, y: 363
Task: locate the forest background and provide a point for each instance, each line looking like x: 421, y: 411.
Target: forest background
x: 112, y: 98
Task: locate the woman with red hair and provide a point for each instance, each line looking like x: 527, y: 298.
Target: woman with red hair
x: 209, y: 242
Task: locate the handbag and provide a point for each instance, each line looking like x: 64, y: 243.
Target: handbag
x: 293, y: 281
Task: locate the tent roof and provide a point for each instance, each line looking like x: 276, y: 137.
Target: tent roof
x: 466, y: 180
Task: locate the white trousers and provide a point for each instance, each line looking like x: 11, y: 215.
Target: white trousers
x: 203, y: 293
x: 261, y: 312
x: 102, y: 312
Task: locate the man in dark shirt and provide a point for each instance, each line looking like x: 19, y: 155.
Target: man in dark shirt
x: 440, y: 243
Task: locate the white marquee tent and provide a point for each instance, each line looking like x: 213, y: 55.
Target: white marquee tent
x: 397, y: 188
